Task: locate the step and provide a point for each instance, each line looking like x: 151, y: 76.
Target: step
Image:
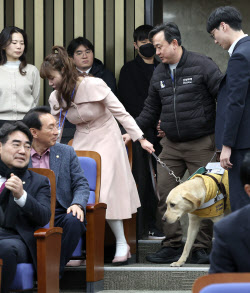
x: 152, y: 277
x: 139, y: 277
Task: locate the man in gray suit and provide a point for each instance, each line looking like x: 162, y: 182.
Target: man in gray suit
x: 72, y: 189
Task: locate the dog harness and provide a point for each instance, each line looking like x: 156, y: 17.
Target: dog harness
x: 214, y: 204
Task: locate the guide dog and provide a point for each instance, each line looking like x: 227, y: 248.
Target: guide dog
x: 192, y: 197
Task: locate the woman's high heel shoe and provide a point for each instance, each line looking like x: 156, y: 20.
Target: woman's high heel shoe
x: 122, y: 260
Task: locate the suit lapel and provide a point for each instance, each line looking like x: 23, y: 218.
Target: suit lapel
x: 55, y: 160
x: 26, y: 179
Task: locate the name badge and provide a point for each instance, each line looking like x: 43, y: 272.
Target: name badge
x: 187, y: 80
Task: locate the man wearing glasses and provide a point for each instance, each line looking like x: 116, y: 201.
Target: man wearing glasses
x: 232, y: 126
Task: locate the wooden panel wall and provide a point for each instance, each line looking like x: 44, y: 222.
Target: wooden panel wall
x: 108, y: 24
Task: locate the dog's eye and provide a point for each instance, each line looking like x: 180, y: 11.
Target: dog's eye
x: 172, y: 205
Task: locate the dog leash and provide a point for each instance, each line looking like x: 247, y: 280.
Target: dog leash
x: 170, y: 172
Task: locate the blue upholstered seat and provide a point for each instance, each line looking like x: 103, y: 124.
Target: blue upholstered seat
x: 25, y: 275
x: 227, y: 288
x: 90, y: 171
x: 24, y: 278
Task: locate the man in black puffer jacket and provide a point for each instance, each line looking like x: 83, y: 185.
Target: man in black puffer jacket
x: 182, y: 94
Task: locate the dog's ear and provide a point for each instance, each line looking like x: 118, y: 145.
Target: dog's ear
x: 194, y: 200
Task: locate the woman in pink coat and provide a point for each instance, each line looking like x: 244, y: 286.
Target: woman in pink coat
x: 90, y: 104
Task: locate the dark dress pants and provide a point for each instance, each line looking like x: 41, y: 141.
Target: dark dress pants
x: 73, y: 229
x: 238, y: 196
x: 12, y: 251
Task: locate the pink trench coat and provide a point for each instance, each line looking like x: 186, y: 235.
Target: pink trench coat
x: 93, y: 112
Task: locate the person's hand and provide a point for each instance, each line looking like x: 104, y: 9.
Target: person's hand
x: 126, y: 138
x: 160, y: 132
x: 146, y: 145
x: 76, y: 211
x: 225, y: 157
x: 15, y: 185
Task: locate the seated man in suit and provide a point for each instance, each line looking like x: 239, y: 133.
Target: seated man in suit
x: 24, y: 201
x: 231, y: 247
x: 72, y: 189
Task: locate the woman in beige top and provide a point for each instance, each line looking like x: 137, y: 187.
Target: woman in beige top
x: 19, y: 81
x: 90, y: 104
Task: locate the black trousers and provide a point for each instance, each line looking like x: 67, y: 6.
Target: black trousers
x: 12, y: 251
x: 238, y: 196
x: 73, y: 229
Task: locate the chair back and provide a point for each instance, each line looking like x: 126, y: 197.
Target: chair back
x: 219, y: 278
x: 227, y: 288
x: 52, y: 179
x: 1, y: 264
x: 130, y: 153
x: 90, y: 162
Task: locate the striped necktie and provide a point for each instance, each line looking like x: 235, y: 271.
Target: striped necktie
x: 2, y: 187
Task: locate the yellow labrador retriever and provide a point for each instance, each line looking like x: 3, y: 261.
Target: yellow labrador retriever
x: 199, y: 197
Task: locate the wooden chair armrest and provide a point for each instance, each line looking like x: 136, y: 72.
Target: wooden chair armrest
x: 47, y: 232
x: 219, y: 278
x: 92, y: 207
x: 95, y: 242
x: 48, y: 259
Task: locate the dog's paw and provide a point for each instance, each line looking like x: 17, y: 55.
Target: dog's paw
x: 176, y: 264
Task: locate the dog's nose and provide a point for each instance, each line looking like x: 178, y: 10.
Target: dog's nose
x: 164, y: 219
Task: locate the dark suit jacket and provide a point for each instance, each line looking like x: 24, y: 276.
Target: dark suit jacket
x: 36, y: 211
x: 231, y: 247
x: 233, y: 108
x: 71, y: 185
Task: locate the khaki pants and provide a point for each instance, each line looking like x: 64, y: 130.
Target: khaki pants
x: 179, y: 157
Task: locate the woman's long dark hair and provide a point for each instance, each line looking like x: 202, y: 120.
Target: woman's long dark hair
x: 59, y: 60
x: 5, y: 40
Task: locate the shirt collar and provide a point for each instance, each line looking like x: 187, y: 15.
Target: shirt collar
x: 87, y: 71
x: 231, y: 49
x: 34, y: 153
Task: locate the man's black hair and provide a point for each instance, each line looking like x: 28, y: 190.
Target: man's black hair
x: 9, y: 128
x: 141, y: 32
x: 245, y: 169
x: 75, y: 43
x: 32, y: 118
x: 171, y: 32
x: 227, y: 14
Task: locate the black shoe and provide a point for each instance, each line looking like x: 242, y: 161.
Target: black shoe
x: 200, y: 256
x: 165, y: 255
x: 155, y: 234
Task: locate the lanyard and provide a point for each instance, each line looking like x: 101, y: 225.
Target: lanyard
x: 60, y: 126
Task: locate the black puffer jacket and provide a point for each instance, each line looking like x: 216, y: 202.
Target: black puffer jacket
x: 98, y: 70
x: 186, y: 106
